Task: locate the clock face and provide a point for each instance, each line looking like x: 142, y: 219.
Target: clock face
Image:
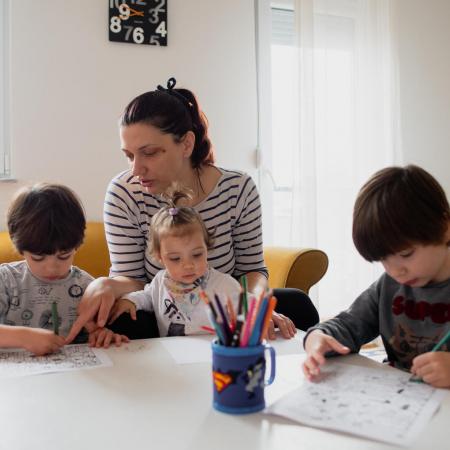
x: 138, y: 21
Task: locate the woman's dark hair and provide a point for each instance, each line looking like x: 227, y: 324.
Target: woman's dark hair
x: 177, y: 220
x: 174, y: 111
x: 398, y: 207
x: 45, y: 219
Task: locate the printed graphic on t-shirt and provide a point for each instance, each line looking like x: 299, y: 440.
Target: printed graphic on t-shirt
x: 407, y: 344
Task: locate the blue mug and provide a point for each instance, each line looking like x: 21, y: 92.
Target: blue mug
x: 239, y: 377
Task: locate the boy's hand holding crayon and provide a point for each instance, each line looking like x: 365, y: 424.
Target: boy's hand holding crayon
x: 433, y: 368
x: 39, y: 341
x: 316, y: 346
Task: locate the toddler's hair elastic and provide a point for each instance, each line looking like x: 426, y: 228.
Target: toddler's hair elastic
x: 173, y: 211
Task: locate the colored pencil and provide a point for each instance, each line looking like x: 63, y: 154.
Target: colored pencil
x: 55, y: 318
x: 268, y: 316
x: 256, y: 332
x: 248, y: 324
x: 244, y: 290
x: 436, y: 348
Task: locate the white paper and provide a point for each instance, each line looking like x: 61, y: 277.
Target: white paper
x: 196, y: 349
x: 15, y: 363
x: 380, y: 404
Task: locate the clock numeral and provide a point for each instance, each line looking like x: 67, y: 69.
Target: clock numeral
x: 115, y: 3
x: 138, y: 35
x: 154, y: 40
x: 161, y: 29
x: 154, y: 12
x: 124, y: 10
x: 115, y: 25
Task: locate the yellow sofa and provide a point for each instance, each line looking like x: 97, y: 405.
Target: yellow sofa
x: 288, y: 267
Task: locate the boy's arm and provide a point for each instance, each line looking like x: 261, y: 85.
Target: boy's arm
x: 358, y: 325
x: 11, y: 336
x: 35, y: 340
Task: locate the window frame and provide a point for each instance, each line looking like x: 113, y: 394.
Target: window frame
x: 5, y: 148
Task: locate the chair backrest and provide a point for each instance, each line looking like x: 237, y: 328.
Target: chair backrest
x: 294, y: 267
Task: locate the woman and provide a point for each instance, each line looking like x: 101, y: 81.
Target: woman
x: 164, y: 136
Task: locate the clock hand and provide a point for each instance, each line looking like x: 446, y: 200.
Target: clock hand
x: 134, y: 12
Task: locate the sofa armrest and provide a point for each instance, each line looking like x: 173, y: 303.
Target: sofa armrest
x: 8, y: 252
x: 295, y: 267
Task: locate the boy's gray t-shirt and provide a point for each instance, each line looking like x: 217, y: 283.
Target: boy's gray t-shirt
x: 410, y: 320
x: 25, y: 300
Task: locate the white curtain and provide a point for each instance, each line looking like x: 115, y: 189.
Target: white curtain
x: 345, y: 127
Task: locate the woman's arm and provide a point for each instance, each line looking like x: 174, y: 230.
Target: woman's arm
x: 256, y: 282
x: 99, y: 298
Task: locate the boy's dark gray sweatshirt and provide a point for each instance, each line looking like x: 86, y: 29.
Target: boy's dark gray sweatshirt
x: 410, y: 320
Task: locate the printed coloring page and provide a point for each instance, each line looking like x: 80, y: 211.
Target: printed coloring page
x: 380, y: 404
x: 15, y: 363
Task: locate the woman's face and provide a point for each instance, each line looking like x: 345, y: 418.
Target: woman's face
x: 155, y: 158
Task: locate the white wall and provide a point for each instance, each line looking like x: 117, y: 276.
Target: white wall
x: 69, y: 85
x: 423, y: 30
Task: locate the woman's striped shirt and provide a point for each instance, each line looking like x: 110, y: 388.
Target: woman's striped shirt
x: 232, y: 212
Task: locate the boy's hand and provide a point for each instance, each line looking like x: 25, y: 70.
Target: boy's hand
x: 433, y: 368
x: 102, y: 337
x: 316, y: 345
x: 121, y: 306
x: 40, y: 341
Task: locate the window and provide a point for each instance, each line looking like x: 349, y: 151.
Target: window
x: 333, y: 123
x: 283, y: 79
x: 4, y: 90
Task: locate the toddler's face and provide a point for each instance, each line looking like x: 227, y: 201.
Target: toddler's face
x: 185, y: 257
x: 50, y: 267
x: 419, y: 265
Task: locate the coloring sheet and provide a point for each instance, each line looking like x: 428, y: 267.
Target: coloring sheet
x: 380, y: 404
x: 15, y: 363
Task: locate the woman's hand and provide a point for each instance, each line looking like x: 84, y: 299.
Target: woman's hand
x: 97, y: 300
x: 285, y: 325
x: 316, y: 346
x: 123, y: 305
x: 433, y: 368
x: 40, y: 341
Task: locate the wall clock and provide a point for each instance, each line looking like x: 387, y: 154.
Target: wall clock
x: 138, y: 21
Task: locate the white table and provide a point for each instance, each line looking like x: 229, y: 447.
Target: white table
x: 146, y: 400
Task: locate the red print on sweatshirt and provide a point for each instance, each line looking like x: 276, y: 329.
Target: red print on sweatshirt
x: 438, y: 312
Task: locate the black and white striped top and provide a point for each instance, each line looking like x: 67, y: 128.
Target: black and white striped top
x: 232, y: 211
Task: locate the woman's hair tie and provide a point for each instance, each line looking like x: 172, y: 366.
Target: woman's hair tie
x: 171, y: 82
x: 173, y: 211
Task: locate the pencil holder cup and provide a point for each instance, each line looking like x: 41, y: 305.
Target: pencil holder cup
x: 239, y: 377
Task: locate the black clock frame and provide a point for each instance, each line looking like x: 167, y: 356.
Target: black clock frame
x: 138, y: 21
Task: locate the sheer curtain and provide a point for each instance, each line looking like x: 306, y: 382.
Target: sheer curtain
x: 344, y: 122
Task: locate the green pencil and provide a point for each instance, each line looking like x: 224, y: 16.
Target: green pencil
x: 55, y: 318
x: 443, y: 341
x: 244, y: 290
